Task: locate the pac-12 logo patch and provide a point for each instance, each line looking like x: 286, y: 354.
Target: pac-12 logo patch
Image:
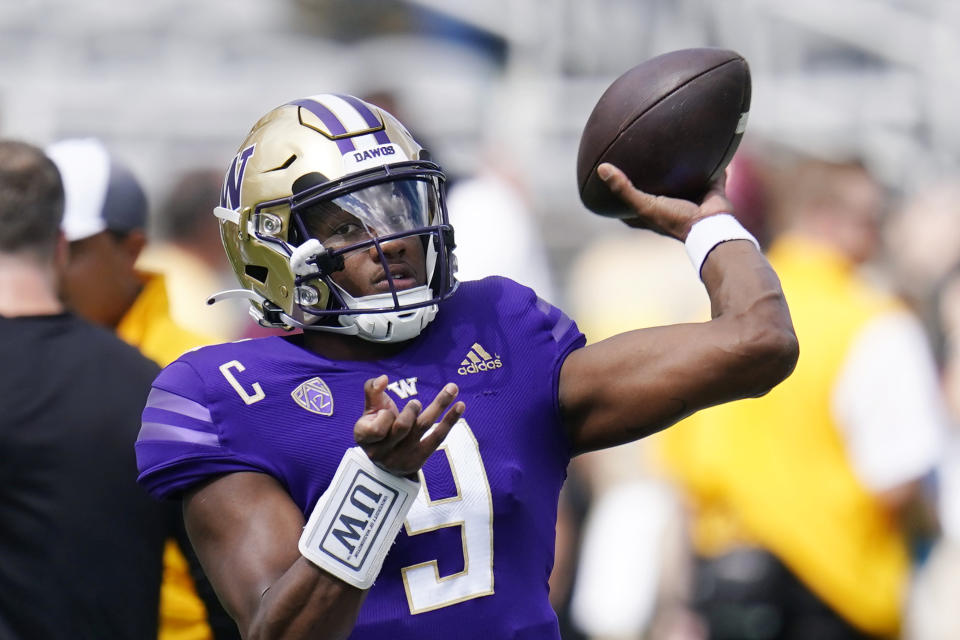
x: 314, y: 396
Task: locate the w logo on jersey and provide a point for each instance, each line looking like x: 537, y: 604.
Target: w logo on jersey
x: 404, y: 388
x: 233, y: 181
x: 314, y: 396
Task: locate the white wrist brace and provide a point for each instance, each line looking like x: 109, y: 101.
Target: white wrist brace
x: 707, y: 233
x: 356, y: 520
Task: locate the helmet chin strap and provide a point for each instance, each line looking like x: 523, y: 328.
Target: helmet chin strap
x: 389, y: 326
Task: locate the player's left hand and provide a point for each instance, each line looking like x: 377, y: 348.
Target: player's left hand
x: 667, y: 216
x: 401, y: 441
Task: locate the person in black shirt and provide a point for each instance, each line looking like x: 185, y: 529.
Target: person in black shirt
x: 80, y: 542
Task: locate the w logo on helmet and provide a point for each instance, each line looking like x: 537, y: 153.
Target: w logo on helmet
x: 230, y: 195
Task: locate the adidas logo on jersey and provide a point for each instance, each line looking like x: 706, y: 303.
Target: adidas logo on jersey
x: 478, y: 360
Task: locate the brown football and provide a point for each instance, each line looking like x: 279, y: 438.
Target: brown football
x: 672, y: 124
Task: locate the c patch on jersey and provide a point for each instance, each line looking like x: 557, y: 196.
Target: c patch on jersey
x: 314, y: 396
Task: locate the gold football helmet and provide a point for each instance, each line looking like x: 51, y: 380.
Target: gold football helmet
x: 315, y: 180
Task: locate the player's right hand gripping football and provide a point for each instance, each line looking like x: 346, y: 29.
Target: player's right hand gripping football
x: 667, y: 216
x: 401, y: 441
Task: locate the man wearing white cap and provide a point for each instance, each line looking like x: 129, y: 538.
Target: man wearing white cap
x: 105, y: 221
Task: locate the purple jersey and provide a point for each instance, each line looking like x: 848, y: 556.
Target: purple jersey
x: 477, y: 546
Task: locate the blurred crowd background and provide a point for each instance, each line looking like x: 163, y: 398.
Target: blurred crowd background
x: 853, y: 115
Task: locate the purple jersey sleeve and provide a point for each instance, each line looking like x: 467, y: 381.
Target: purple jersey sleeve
x: 180, y: 442
x: 549, y: 333
x: 567, y: 338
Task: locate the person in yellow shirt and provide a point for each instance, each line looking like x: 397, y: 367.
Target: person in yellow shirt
x: 187, y: 249
x: 105, y: 223
x: 797, y: 496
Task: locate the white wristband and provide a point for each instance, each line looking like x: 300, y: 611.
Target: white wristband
x: 707, y: 233
x: 356, y: 520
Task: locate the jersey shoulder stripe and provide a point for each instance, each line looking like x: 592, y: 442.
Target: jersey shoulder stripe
x: 559, y: 322
x: 175, y: 403
x: 159, y: 432
x: 169, y: 416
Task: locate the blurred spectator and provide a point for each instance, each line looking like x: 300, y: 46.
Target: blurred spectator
x: 922, y: 239
x: 81, y: 543
x: 634, y: 576
x: 933, y: 612
x: 571, y: 511
x: 799, y: 498
x: 104, y: 221
x: 747, y: 191
x: 496, y: 230
x: 189, y: 254
x: 947, y: 312
x: 607, y: 294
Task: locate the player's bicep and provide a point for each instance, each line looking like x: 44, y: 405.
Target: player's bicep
x: 244, y: 528
x: 637, y: 383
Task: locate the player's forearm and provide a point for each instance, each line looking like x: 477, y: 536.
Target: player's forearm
x: 307, y: 603
x: 244, y: 528
x: 751, y: 321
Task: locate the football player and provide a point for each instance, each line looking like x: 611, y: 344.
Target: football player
x: 333, y: 482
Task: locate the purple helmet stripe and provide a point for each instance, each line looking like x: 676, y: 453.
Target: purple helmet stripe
x: 154, y: 431
x: 368, y: 116
x: 160, y: 399
x: 329, y: 120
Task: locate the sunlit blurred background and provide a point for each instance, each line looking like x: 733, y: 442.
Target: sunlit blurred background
x: 501, y: 89
x: 170, y: 84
